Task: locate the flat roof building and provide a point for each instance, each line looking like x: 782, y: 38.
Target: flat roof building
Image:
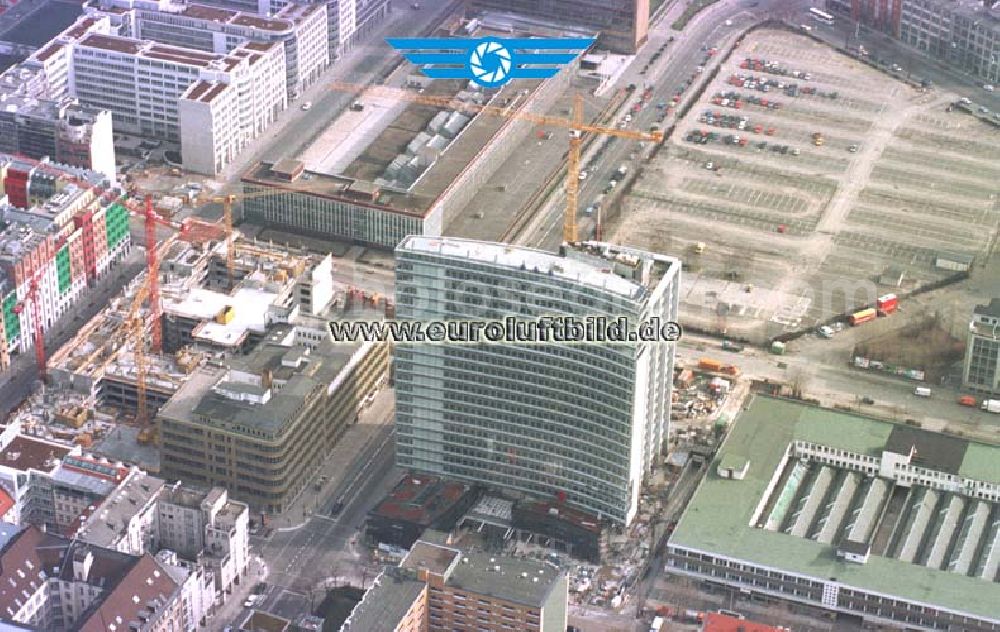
x: 859, y: 516
x: 439, y: 589
x: 623, y: 24
x: 300, y: 28
x: 526, y: 417
x: 261, y: 426
x: 964, y: 34
x: 981, y: 368
x: 417, y: 503
x: 212, y: 104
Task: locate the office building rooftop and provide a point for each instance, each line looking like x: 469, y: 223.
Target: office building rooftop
x: 262, y: 391
x: 771, y: 514
x: 617, y: 270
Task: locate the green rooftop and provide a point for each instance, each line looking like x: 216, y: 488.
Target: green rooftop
x: 718, y: 518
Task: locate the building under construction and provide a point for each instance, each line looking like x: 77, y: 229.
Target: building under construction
x: 201, y: 321
x: 59, y: 236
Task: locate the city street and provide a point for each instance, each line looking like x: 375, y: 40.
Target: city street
x: 311, y: 547
x: 678, y: 63
x: 362, y: 65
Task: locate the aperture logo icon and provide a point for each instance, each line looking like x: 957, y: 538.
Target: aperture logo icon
x: 490, y: 62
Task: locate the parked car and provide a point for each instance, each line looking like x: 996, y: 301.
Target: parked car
x: 988, y: 87
x: 307, y: 105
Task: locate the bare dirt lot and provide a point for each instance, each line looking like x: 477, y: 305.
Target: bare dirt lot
x: 807, y: 208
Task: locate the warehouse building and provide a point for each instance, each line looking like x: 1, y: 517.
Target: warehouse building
x: 881, y: 521
x: 535, y: 426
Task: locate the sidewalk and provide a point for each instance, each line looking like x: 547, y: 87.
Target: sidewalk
x: 340, y: 465
x: 305, y: 126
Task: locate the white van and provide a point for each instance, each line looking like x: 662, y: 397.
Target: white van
x: 922, y: 391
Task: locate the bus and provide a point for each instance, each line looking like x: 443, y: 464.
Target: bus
x: 821, y: 16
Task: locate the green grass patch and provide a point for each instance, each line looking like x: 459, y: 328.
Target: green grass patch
x: 692, y: 9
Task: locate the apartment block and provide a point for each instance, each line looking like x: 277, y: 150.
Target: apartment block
x: 27, y: 465
x: 263, y: 424
x: 439, y: 589
x: 56, y: 583
x: 981, y: 369
x: 300, y: 28
x: 623, y: 24
x: 62, y: 130
x: 204, y: 533
x: 59, y: 236
x: 144, y: 84
x: 208, y: 527
x: 526, y: 417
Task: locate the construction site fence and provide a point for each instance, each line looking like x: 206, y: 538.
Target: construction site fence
x: 952, y: 279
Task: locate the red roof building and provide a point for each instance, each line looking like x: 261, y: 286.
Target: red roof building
x: 716, y: 622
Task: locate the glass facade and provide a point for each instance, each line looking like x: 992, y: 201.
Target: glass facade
x: 544, y: 419
x: 313, y: 214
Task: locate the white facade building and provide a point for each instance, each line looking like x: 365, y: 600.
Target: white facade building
x: 206, y: 526
x: 197, y: 588
x: 300, y: 28
x: 143, y: 83
x: 544, y: 419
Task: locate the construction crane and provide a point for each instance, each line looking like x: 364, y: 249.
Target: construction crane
x: 577, y: 128
x: 31, y: 297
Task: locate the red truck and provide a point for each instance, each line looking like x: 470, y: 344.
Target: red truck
x: 887, y: 304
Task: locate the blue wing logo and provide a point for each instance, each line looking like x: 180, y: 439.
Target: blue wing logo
x: 490, y: 61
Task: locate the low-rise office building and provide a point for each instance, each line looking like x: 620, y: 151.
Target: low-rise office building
x: 962, y: 33
x: 981, y: 368
x: 263, y: 425
x: 439, y: 589
x: 417, y: 503
x: 862, y: 517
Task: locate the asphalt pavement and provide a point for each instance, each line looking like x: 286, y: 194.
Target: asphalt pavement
x: 362, y: 65
x: 677, y: 65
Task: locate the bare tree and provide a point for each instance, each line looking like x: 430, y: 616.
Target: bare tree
x: 799, y: 382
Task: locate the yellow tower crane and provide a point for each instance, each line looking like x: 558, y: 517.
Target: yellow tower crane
x: 577, y: 128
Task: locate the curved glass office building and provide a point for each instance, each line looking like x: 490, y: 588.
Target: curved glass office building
x: 549, y: 418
